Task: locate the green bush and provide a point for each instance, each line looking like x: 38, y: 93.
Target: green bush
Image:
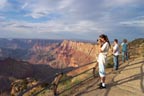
x: 110, y: 62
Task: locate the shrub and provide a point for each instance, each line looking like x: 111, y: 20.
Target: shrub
x: 110, y: 62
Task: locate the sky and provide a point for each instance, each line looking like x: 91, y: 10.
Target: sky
x: 72, y: 19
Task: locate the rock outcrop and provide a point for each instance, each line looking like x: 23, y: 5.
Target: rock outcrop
x: 74, y: 54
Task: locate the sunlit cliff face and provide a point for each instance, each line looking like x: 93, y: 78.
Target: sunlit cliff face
x: 57, y: 54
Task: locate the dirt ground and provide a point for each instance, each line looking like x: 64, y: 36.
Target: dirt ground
x: 127, y: 81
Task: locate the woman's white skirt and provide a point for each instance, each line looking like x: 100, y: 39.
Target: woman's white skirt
x: 101, y: 64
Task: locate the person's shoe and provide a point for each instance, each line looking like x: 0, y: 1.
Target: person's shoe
x: 100, y: 84
x: 102, y: 87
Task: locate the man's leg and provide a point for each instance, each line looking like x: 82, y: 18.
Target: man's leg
x: 126, y: 55
x: 123, y: 57
x: 117, y: 62
x: 114, y: 60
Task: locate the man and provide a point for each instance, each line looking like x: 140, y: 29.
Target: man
x: 115, y: 54
x: 124, y: 50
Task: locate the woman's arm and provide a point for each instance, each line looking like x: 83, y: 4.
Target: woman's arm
x: 104, y: 46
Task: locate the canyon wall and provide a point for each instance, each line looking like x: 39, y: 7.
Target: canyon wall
x: 57, y: 54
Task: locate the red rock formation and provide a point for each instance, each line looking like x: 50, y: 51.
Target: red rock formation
x: 74, y: 54
x: 56, y: 54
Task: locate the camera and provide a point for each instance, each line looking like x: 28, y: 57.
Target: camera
x: 99, y: 42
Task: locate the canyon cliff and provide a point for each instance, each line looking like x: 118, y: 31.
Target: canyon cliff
x: 56, y: 53
x: 39, y: 59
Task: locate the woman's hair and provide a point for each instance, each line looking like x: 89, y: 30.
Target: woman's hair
x: 105, y: 38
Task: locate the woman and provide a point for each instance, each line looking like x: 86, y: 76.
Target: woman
x: 115, y: 54
x: 103, y: 50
